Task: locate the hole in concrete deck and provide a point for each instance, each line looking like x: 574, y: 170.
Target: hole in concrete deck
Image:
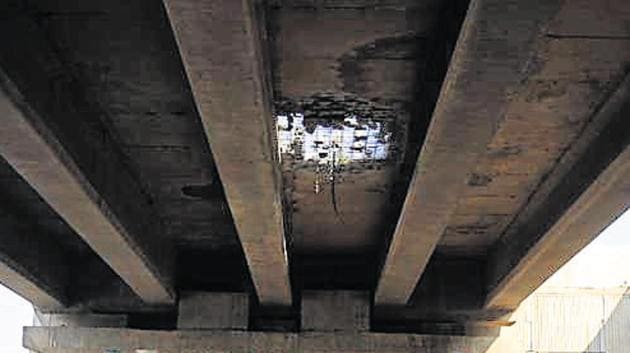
x: 329, y: 126
x: 339, y: 141
x: 333, y: 147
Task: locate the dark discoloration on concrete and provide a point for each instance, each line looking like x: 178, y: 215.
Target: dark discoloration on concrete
x: 479, y: 179
x: 377, y: 62
x: 337, y: 106
x: 95, y: 287
x: 222, y: 45
x: 543, y: 90
x: 361, y: 213
x: 137, y: 82
x: 35, y: 267
x: 124, y: 61
x: 124, y: 76
x: 534, y: 73
x: 355, y: 67
x: 204, y: 192
x: 566, y: 82
x: 78, y: 170
x: 484, y: 65
x: 504, y: 151
x: 586, y: 191
x: 25, y: 202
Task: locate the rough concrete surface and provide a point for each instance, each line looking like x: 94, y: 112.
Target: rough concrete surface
x: 443, y: 156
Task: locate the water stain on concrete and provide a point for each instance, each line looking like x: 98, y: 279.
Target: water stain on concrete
x: 353, y: 65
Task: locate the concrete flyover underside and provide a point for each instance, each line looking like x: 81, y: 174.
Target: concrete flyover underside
x: 302, y: 175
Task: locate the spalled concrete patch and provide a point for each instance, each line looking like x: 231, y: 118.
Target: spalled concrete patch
x: 336, y: 149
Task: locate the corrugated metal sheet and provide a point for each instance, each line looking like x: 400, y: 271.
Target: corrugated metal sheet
x: 569, y: 320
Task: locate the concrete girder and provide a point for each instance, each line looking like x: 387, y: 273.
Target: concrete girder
x: 588, y: 190
x: 85, y: 340
x: 580, y: 59
x: 81, y: 174
x: 222, y: 48
x: 213, y: 311
x: 484, y: 69
x: 31, y: 265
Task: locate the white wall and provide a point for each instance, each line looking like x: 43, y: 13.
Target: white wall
x: 584, y: 307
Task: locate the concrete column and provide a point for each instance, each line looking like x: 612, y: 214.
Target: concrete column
x: 213, y: 311
x: 335, y: 311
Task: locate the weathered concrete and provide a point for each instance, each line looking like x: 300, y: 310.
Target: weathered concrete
x: 514, y: 128
x: 124, y: 60
x: 335, y: 311
x: 221, y: 43
x: 589, y: 189
x: 490, y: 58
x: 83, y: 340
x: 213, y: 311
x: 371, y: 68
x: 85, y: 182
x: 578, y: 62
x: 36, y: 235
x: 450, y: 294
x: 79, y: 320
x: 28, y: 287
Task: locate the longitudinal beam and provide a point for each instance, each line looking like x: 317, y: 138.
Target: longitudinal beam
x: 31, y: 264
x: 483, y: 68
x: 586, y: 192
x: 89, y: 340
x: 221, y: 44
x: 78, y: 171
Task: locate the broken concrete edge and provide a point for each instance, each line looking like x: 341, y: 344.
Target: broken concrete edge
x: 443, y: 167
x: 87, y: 340
x: 250, y: 174
x: 588, y: 191
x: 57, y: 169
